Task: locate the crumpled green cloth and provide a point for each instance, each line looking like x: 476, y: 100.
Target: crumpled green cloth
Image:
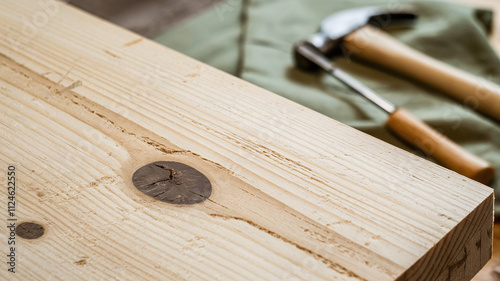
x: 253, y: 39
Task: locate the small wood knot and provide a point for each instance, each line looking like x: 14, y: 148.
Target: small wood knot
x: 29, y: 230
x: 172, y: 182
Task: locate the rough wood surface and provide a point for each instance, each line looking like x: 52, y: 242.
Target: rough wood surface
x: 491, y: 272
x: 295, y: 195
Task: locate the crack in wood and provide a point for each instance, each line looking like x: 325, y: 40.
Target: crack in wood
x: 335, y: 266
x: 458, y: 264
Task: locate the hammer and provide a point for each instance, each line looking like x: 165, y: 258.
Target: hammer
x: 352, y: 32
x: 310, y: 55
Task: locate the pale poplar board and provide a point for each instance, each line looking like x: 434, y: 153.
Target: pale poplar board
x: 297, y: 196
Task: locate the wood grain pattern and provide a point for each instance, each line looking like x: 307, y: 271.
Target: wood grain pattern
x: 491, y: 272
x: 295, y: 195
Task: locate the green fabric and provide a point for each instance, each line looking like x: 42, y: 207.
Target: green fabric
x: 213, y: 37
x: 254, y: 40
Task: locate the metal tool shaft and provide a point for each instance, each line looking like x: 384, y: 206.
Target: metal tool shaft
x: 312, y: 54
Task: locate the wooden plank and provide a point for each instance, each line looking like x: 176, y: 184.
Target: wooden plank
x: 295, y: 195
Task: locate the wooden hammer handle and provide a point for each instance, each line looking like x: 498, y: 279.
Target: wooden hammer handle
x: 376, y: 46
x: 438, y: 146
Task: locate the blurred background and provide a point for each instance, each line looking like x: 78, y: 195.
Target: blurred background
x: 146, y: 17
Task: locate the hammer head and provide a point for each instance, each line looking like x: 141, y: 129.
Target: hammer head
x: 335, y: 27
